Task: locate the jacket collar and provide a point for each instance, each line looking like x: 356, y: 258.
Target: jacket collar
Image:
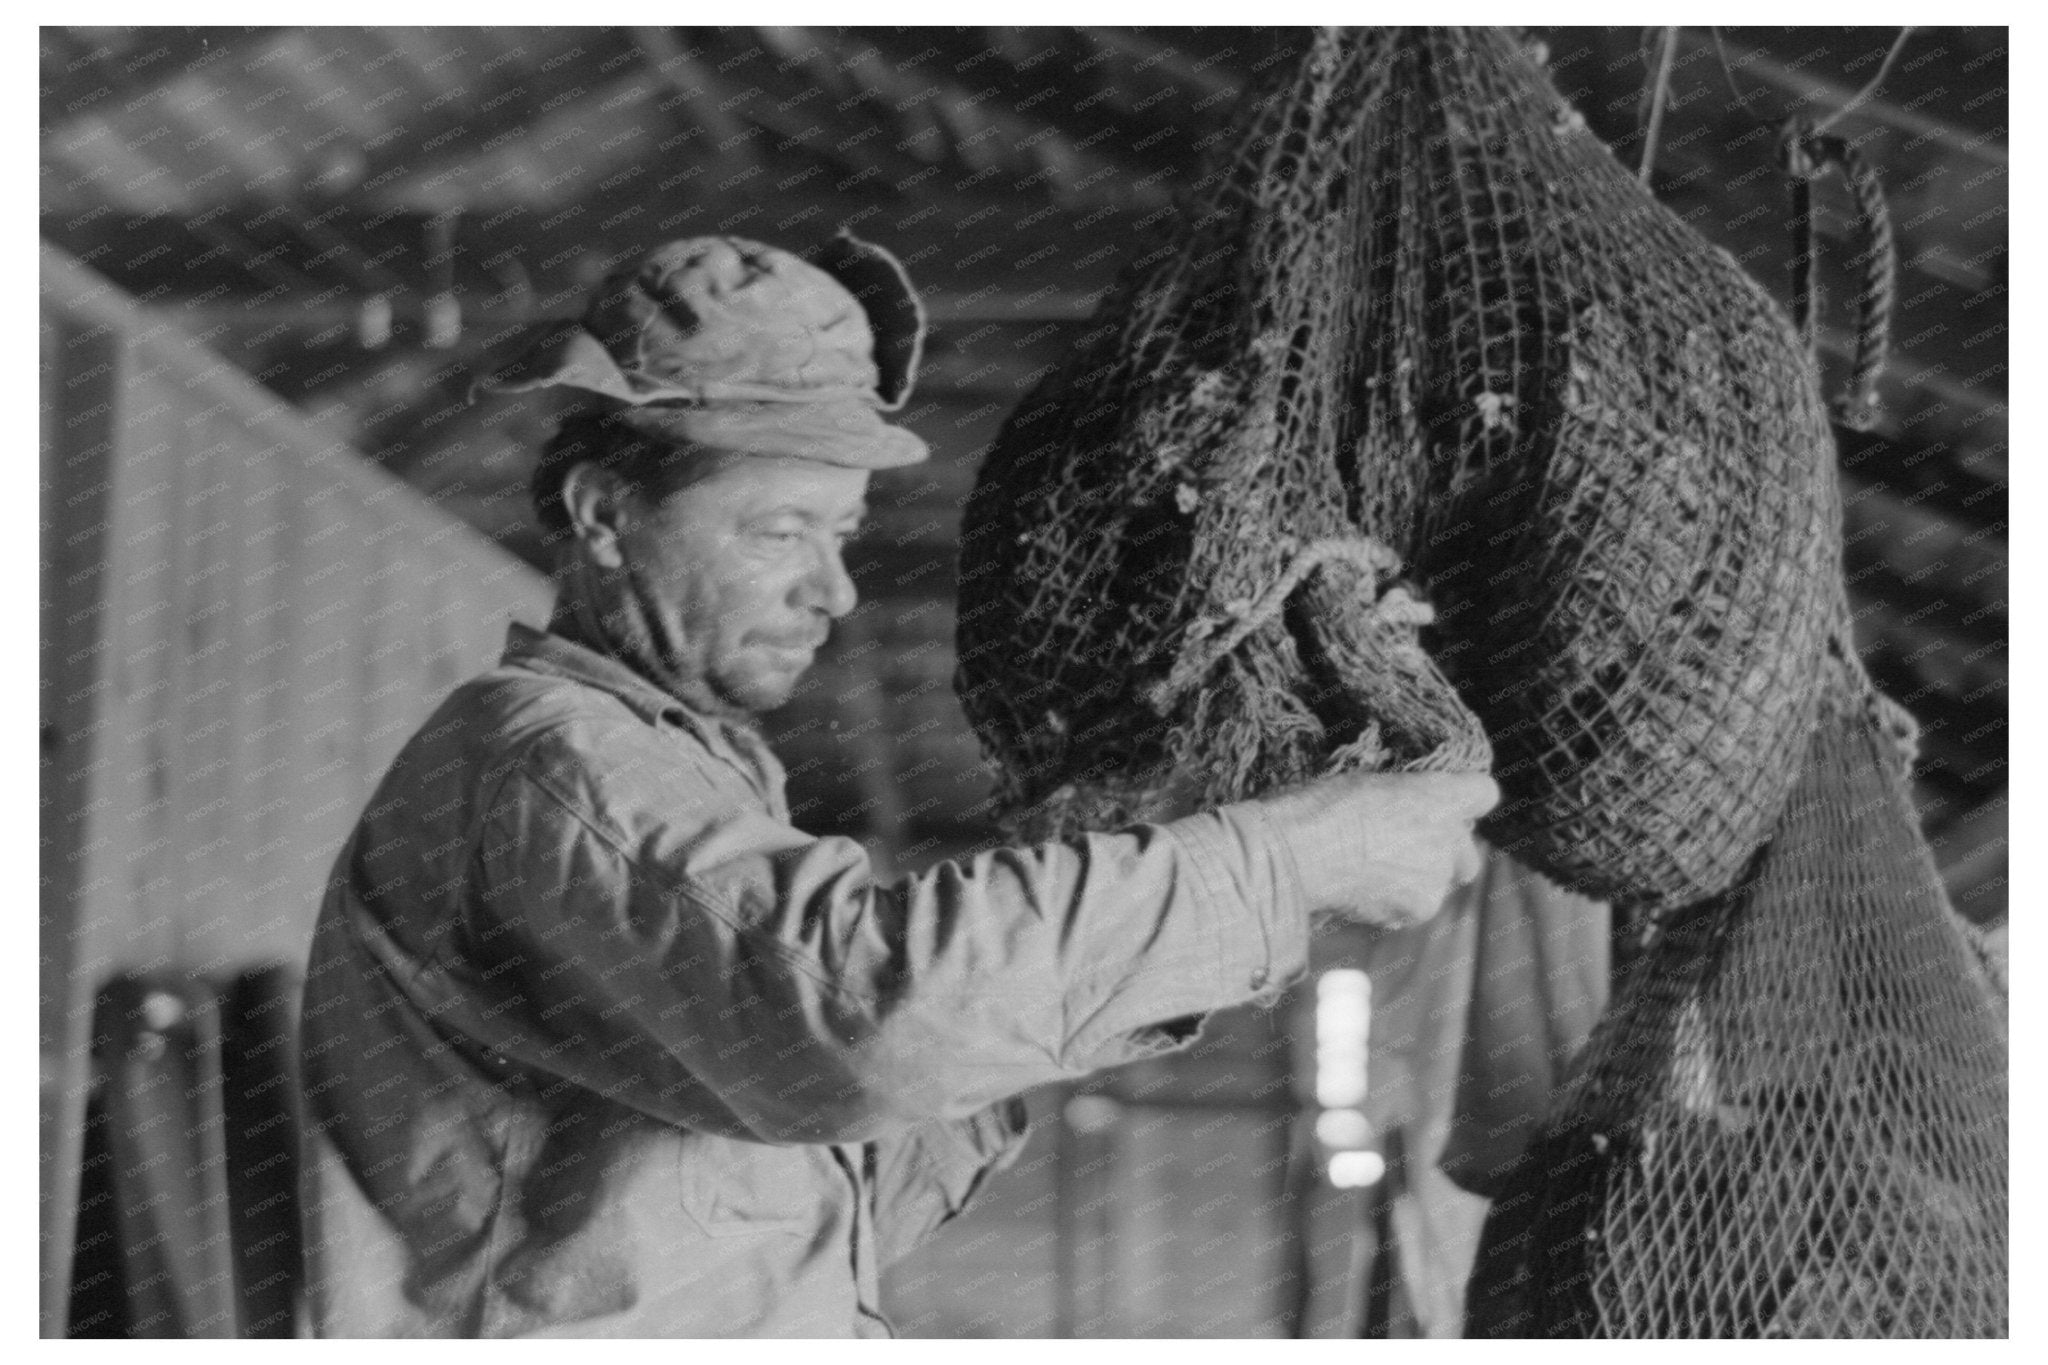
x: 546, y: 652
x: 736, y: 743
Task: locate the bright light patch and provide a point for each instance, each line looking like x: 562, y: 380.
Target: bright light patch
x: 1343, y: 1028
x: 1356, y: 1170
x: 1343, y: 1128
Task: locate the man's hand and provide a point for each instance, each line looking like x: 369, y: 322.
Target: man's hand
x: 1383, y: 848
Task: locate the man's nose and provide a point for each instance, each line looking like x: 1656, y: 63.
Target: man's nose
x: 829, y: 587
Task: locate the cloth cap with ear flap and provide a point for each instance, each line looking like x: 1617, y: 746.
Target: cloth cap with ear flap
x: 730, y: 343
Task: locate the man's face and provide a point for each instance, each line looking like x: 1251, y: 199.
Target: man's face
x: 742, y: 575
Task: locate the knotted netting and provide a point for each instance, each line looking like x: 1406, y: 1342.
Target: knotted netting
x: 1420, y: 309
x: 1428, y: 429
x: 1791, y: 1120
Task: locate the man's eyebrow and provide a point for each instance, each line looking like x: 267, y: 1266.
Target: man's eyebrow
x: 857, y: 513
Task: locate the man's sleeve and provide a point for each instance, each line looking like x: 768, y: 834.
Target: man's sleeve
x: 700, y: 960
x: 928, y: 1176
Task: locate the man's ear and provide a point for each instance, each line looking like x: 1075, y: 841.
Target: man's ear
x: 595, y: 499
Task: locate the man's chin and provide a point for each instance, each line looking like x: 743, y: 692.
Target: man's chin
x: 761, y: 691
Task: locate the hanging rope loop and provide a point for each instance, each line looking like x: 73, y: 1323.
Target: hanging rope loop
x: 1807, y: 154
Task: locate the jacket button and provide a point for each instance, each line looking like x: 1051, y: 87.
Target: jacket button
x: 1259, y: 980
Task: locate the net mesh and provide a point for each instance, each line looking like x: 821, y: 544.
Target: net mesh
x: 1419, y: 307
x: 1428, y: 429
x: 1791, y: 1122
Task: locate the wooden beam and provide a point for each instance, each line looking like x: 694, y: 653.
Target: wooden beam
x: 1822, y: 94
x: 936, y: 116
x: 1967, y: 839
x: 1974, y: 854
x: 947, y: 305
x: 1925, y: 472
x: 83, y: 70
x: 1921, y: 561
x: 81, y: 415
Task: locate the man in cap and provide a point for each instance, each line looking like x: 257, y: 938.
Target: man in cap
x: 594, y: 1041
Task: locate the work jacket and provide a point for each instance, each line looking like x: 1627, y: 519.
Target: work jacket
x: 596, y: 1043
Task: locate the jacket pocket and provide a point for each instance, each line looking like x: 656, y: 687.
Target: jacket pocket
x: 742, y: 1189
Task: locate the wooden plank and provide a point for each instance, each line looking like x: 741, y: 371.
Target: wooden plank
x: 1975, y: 845
x: 1924, y: 552
x: 204, y: 639
x: 80, y: 363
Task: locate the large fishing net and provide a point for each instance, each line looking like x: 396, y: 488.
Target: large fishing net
x: 1791, y: 1121
x: 1428, y: 428
x: 1423, y: 312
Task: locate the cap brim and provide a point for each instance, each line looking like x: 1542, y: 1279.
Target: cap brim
x: 560, y: 354
x: 566, y: 355
x: 846, y: 433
